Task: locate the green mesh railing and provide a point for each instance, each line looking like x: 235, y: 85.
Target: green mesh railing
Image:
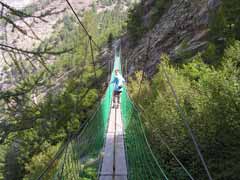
x: 80, y: 158
x: 142, y: 164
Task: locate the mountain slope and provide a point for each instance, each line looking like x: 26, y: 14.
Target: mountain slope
x: 181, y: 31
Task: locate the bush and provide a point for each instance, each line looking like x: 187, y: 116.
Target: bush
x: 211, y: 99
x: 40, y: 162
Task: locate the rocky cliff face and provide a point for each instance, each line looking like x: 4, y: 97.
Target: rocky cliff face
x: 181, y: 32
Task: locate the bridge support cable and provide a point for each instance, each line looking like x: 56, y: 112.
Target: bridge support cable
x: 82, y: 25
x: 141, y: 116
x: 91, y: 40
x: 173, y: 154
x: 138, y: 96
x: 186, y: 122
x: 93, y: 61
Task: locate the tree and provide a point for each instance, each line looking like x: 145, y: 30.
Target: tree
x: 110, y: 40
x: 135, y: 25
x: 20, y: 56
x: 224, y: 27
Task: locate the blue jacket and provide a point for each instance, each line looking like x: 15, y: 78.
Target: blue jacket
x: 118, y: 82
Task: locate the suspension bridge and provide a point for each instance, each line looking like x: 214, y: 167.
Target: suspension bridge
x: 112, y: 144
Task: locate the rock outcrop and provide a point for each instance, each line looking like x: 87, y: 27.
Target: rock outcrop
x: 181, y: 32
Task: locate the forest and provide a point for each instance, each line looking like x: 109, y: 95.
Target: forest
x: 34, y: 132
x: 207, y: 87
x: 203, y: 89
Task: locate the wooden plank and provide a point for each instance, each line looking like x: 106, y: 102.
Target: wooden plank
x: 114, y: 152
x: 106, y: 178
x: 120, y: 177
x: 111, y: 123
x: 119, y: 124
x: 108, y: 156
x: 120, y: 159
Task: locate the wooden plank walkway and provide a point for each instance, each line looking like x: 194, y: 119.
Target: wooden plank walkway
x: 114, y: 161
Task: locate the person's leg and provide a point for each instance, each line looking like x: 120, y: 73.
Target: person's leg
x: 114, y: 95
x: 114, y: 98
x: 118, y: 97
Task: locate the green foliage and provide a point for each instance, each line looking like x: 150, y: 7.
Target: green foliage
x: 110, y: 41
x: 210, y: 55
x: 231, y: 60
x: 211, y: 99
x: 3, y: 151
x: 224, y: 27
x: 232, y: 15
x: 88, y: 174
x: 135, y: 22
x: 39, y: 162
x: 135, y: 25
x: 158, y: 9
x: 182, y: 52
x: 33, y: 131
x: 13, y: 169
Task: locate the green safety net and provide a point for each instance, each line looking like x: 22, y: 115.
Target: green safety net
x: 81, y: 157
x: 142, y: 163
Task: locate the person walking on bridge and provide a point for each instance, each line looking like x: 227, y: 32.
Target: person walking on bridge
x: 118, y: 81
